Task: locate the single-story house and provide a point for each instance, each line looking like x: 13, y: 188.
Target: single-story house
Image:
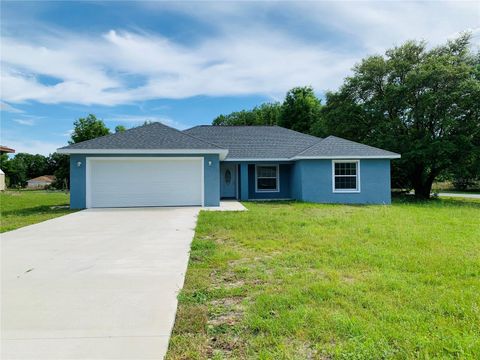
x: 156, y: 165
x: 40, y: 182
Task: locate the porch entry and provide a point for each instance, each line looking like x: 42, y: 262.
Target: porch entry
x: 228, y: 180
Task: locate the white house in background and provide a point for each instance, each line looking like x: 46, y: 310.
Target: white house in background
x: 4, y: 150
x: 2, y: 180
x: 40, y: 182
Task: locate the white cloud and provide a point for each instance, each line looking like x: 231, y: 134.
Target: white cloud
x: 27, y: 122
x: 32, y: 146
x: 247, y: 55
x: 9, y: 108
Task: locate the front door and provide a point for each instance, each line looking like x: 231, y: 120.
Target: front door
x: 228, y: 180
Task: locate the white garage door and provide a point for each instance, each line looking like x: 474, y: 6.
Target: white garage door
x: 128, y: 182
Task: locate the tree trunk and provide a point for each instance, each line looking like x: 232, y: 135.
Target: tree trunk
x: 422, y: 191
x: 423, y: 186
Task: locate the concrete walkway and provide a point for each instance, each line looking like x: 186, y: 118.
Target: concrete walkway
x: 97, y: 284
x: 458, y: 195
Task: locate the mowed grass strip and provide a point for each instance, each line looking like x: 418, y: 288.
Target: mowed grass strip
x: 310, y: 281
x: 22, y: 208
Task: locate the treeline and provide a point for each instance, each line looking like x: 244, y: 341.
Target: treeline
x: 422, y: 103
x: 24, y: 166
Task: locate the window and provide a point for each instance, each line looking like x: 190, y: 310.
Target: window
x: 346, y: 176
x: 266, y: 178
x: 228, y: 177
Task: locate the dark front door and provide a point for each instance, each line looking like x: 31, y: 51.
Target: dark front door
x: 228, y: 180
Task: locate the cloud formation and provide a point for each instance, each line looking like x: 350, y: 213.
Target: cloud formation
x: 27, y: 122
x: 244, y: 56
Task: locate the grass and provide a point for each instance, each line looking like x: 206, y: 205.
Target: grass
x: 309, y: 281
x: 22, y: 208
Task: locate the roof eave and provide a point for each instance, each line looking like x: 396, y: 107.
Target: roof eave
x: 221, y: 152
x: 259, y: 159
x: 348, y: 157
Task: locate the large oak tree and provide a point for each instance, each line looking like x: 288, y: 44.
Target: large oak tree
x: 422, y: 103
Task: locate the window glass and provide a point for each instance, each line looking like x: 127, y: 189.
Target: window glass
x: 267, y: 178
x: 346, y: 168
x: 228, y: 176
x: 345, y: 176
x: 267, y: 171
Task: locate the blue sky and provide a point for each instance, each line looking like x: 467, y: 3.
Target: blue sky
x: 184, y: 63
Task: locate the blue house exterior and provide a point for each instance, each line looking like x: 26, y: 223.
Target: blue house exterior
x: 78, y: 179
x: 139, y: 168
x: 312, y: 182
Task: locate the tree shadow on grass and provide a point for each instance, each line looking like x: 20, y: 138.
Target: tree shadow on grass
x: 37, y: 210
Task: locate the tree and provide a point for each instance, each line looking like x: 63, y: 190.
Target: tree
x: 120, y: 128
x: 59, y: 165
x: 265, y: 114
x: 418, y: 102
x: 23, y: 167
x: 300, y: 110
x: 88, y: 128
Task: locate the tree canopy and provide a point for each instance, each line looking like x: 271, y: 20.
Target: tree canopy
x: 120, y: 128
x: 265, y: 114
x: 88, y: 128
x: 422, y: 103
x: 300, y: 110
x: 23, y: 167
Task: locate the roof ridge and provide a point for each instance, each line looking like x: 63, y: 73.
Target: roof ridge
x: 136, y: 128
x: 231, y: 126
x: 194, y: 137
x: 111, y: 134
x: 356, y: 142
x: 298, y: 132
x: 310, y: 146
x: 338, y: 142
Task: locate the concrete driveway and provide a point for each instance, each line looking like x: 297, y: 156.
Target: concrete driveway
x: 97, y: 284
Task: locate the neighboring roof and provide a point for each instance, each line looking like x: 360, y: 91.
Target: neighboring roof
x: 335, y: 147
x: 44, y: 178
x: 4, y: 149
x: 255, y: 142
x: 150, y: 138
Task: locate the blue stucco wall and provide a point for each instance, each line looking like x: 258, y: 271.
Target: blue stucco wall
x: 296, y: 181
x: 77, y: 182
x: 284, y: 190
x: 312, y: 182
x: 78, y: 177
x: 211, y: 181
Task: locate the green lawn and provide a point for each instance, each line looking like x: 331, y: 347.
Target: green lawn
x: 21, y: 208
x: 306, y: 281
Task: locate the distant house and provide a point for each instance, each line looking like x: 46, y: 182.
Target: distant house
x: 40, y: 182
x: 4, y: 150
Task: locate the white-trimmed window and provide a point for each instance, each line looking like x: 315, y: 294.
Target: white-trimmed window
x: 267, y: 178
x: 346, y: 175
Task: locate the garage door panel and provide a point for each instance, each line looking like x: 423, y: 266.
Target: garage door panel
x: 145, y: 182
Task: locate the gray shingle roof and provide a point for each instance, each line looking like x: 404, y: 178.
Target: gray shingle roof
x: 151, y: 136
x: 255, y: 142
x: 242, y: 142
x: 333, y: 146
